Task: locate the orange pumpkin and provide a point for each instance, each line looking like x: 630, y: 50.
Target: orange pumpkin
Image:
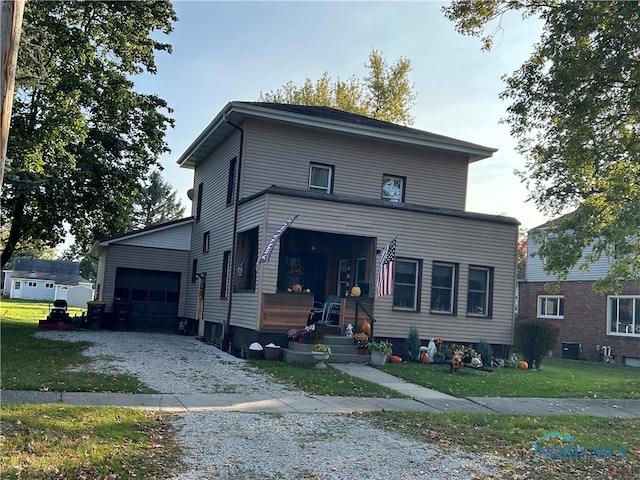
x: 395, y: 359
x: 366, y: 327
x: 523, y: 365
x: 424, y: 356
x: 297, y: 288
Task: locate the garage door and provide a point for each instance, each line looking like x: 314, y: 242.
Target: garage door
x: 152, y: 295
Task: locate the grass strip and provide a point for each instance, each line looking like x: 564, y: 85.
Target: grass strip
x: 64, y: 441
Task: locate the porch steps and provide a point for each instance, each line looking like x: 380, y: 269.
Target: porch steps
x: 343, y: 350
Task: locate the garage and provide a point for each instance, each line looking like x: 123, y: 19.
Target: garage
x: 152, y: 298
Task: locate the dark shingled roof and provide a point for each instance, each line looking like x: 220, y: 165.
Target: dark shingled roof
x: 60, y: 272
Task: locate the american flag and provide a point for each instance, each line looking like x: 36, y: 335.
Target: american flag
x: 386, y: 270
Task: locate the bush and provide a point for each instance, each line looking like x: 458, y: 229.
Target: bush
x: 486, y: 352
x: 534, y: 338
x: 413, y: 344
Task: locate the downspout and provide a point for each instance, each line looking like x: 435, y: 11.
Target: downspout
x: 225, y: 336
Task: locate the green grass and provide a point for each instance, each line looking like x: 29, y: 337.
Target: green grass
x: 558, y: 378
x: 511, y: 437
x: 63, y: 441
x: 28, y: 363
x: 323, y: 382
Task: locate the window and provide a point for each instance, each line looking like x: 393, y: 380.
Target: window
x: 247, y: 255
x: 206, y: 239
x: 16, y: 286
x: 405, y: 287
x: 199, y: 205
x: 361, y: 275
x: 443, y: 287
x: 32, y: 284
x: 232, y: 180
x: 48, y: 285
x: 393, y: 188
x: 478, y: 291
x: 551, y: 306
x: 194, y: 270
x: 320, y: 178
x: 224, y: 288
x: 623, y: 315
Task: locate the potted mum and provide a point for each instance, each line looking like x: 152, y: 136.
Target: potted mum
x: 380, y: 351
x: 361, y: 340
x: 320, y: 353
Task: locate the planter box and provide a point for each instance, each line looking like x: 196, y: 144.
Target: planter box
x: 272, y: 353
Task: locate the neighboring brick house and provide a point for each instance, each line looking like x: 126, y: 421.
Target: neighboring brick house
x: 588, y: 321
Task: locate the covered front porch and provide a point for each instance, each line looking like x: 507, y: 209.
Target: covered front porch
x: 316, y: 267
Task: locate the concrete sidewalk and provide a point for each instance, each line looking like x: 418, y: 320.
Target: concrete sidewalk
x: 418, y: 399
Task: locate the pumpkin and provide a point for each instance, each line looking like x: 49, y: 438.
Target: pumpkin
x: 356, y: 291
x: 395, y: 359
x: 424, y: 356
x: 523, y: 365
x: 366, y: 327
x: 297, y: 288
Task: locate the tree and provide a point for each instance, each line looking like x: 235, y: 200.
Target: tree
x: 88, y: 267
x: 157, y: 203
x: 81, y: 137
x: 384, y: 94
x: 522, y: 253
x: 575, y: 111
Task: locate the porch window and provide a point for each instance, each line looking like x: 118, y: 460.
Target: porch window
x: 246, y: 257
x: 405, y: 288
x: 623, y: 315
x: 320, y: 178
x: 393, y: 188
x: 443, y: 287
x: 32, y: 284
x: 478, y: 291
x: 551, y: 306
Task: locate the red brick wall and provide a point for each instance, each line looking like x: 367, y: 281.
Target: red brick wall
x: 585, y: 318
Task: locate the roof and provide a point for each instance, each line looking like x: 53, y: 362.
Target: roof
x: 322, y: 118
x: 61, y: 272
x: 105, y: 242
x: 372, y: 202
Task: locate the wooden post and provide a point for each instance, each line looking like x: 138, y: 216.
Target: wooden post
x: 10, y: 28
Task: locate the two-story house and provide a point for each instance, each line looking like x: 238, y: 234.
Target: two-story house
x: 354, y: 183
x: 591, y: 325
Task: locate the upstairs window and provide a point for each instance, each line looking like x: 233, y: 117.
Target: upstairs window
x: 199, y: 204
x: 320, y: 178
x: 393, y: 188
x: 232, y: 180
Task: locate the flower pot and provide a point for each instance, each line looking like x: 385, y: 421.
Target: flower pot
x: 302, y: 340
x: 320, y: 358
x: 362, y: 351
x: 378, y: 358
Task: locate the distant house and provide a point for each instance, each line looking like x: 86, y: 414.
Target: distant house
x: 145, y: 270
x: 354, y: 184
x: 591, y: 324
x: 36, y: 279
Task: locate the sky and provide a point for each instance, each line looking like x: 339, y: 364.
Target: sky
x: 233, y: 51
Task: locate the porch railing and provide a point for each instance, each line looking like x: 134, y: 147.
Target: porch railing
x: 360, y: 306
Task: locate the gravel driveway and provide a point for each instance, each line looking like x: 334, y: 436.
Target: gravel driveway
x: 244, y: 446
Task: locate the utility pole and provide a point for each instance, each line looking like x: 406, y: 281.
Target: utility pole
x: 11, y: 27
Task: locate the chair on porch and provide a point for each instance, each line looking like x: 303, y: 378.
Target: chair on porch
x: 331, y: 307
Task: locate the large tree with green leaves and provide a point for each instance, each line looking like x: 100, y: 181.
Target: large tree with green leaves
x: 81, y: 138
x: 575, y: 111
x: 385, y: 93
x: 156, y: 203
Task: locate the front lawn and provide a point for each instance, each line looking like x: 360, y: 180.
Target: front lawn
x: 557, y: 378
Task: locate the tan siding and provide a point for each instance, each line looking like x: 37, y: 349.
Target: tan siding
x: 429, y: 238
x: 278, y: 155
